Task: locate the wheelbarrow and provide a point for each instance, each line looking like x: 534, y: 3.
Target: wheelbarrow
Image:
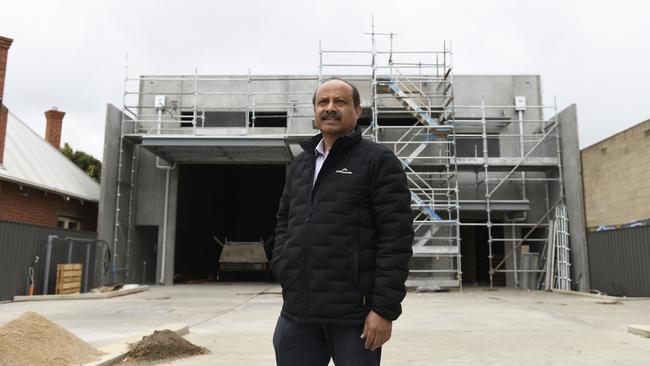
x: 242, y: 256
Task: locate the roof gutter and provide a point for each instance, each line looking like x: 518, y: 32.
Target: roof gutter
x: 47, y: 189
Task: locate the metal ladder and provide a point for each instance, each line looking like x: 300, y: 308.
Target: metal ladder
x: 123, y: 236
x: 562, y: 280
x: 555, y: 256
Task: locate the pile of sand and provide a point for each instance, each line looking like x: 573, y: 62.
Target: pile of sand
x: 33, y: 340
x: 162, y: 345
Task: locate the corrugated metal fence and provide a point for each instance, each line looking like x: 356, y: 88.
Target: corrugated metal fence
x: 21, y: 243
x: 619, y: 261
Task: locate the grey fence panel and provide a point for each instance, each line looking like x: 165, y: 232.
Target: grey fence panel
x: 619, y: 261
x: 21, y: 243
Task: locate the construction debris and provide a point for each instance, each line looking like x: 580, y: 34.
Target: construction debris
x: 106, y: 293
x: 106, y: 288
x: 162, y: 345
x: 615, y: 302
x: 68, y: 278
x: 34, y: 340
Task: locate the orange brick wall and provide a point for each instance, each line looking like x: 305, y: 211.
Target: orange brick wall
x: 3, y: 130
x: 5, y: 43
x: 37, y: 207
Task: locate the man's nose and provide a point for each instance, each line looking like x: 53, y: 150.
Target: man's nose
x: 330, y: 106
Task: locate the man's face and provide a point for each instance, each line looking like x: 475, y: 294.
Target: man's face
x: 334, y: 110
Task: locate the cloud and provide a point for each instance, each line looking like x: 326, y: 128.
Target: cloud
x: 71, y: 54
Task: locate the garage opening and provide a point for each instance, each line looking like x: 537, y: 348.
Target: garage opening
x: 220, y: 203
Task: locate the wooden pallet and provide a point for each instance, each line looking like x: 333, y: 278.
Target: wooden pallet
x: 68, y: 278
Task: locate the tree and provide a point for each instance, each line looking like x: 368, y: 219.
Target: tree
x: 86, y: 162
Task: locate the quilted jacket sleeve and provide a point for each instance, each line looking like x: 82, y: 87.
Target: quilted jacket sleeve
x: 391, y: 202
x: 282, y: 218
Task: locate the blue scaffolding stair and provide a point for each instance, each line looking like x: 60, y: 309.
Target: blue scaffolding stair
x: 414, y: 109
x: 427, y: 206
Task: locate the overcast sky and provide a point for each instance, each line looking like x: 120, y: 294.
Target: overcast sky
x: 71, y: 54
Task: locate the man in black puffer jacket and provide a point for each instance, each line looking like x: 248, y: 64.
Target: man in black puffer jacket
x: 343, y: 241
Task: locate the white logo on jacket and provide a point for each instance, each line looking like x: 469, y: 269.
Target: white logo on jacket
x: 344, y: 171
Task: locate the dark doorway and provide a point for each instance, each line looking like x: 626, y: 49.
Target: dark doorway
x: 237, y: 202
x: 475, y: 252
x: 143, y: 256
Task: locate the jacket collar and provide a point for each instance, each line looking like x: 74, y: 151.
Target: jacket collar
x: 341, y: 143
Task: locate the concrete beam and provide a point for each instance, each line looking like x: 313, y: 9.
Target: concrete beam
x: 108, y: 187
x: 574, y: 197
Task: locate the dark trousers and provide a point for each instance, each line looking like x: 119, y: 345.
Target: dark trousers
x: 314, y: 344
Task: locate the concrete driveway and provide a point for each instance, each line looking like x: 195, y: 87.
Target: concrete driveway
x: 475, y: 327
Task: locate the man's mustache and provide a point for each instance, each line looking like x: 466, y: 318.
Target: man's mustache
x: 330, y: 114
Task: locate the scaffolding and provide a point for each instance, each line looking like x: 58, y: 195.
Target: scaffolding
x: 412, y: 113
x: 513, y: 171
x: 534, y: 145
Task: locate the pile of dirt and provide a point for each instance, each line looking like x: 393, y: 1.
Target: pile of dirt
x: 34, y: 340
x: 161, y: 345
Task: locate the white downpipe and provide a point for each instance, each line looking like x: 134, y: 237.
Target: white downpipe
x: 520, y: 114
x: 163, y: 254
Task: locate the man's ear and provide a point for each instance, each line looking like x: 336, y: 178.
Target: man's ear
x: 357, y: 111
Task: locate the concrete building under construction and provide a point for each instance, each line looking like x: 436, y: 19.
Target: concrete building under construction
x: 494, y: 172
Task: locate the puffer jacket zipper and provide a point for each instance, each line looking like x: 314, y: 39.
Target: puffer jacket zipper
x: 307, y: 254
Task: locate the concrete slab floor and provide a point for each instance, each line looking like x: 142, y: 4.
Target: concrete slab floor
x: 503, y: 327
